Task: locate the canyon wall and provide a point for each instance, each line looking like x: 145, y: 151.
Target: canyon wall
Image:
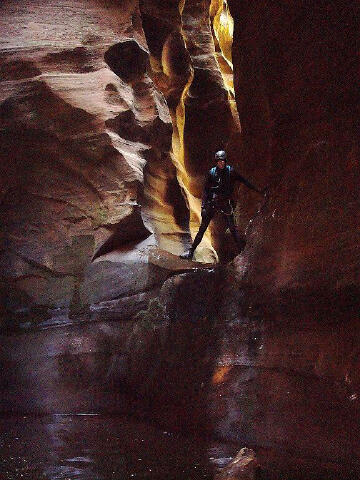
x: 109, y: 118
x: 290, y: 352
x: 76, y: 126
x: 97, y: 152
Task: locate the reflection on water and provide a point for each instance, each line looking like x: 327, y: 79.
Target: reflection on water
x: 93, y: 447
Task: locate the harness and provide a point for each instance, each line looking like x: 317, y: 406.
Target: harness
x: 220, y: 200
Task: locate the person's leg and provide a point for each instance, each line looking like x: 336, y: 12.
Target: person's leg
x: 205, y: 220
x: 240, y: 242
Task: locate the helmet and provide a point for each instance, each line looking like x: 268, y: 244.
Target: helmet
x: 220, y: 155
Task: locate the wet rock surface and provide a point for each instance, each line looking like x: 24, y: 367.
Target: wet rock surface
x: 296, y: 285
x: 119, y: 354
x: 285, y: 382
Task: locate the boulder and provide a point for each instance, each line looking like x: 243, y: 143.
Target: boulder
x: 242, y: 467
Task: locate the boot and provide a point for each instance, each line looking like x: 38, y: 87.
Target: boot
x: 187, y: 255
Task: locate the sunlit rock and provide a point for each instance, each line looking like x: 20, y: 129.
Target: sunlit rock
x: 185, y: 69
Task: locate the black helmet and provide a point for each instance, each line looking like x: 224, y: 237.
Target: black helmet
x: 220, y: 155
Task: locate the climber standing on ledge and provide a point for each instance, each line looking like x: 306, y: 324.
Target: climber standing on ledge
x: 217, y: 197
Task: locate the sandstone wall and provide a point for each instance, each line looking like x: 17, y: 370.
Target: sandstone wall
x: 298, y: 99
x: 290, y: 355
x: 109, y: 119
x: 78, y: 115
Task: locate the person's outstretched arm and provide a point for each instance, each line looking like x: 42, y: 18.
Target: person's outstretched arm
x: 240, y: 178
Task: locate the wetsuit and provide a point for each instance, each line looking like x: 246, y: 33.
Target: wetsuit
x: 217, y: 197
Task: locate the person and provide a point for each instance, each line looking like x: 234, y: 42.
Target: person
x: 217, y: 197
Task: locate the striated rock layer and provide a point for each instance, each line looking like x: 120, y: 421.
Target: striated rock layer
x: 186, y: 69
x: 109, y: 119
x: 79, y: 115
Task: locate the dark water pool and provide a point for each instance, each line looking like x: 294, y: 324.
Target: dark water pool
x: 96, y: 447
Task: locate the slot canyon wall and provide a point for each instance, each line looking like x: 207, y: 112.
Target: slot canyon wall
x: 110, y: 113
x: 295, y: 69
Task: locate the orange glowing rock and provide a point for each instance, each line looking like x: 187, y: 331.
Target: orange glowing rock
x: 220, y: 374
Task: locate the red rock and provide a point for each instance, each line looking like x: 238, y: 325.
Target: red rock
x: 77, y: 114
x: 292, y: 306
x: 88, y: 137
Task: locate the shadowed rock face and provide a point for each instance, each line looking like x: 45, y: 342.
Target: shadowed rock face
x: 108, y: 120
x: 298, y: 103
x: 292, y: 376
x: 127, y: 60
x: 78, y: 113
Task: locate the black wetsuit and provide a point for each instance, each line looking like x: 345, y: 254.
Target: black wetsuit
x: 217, y: 197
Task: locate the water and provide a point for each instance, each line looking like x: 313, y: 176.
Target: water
x: 96, y: 447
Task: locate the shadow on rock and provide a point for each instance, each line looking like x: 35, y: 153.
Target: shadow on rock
x: 172, y: 350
